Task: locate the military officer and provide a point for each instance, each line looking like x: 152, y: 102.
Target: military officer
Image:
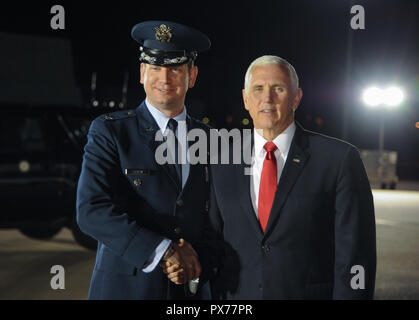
x: 144, y: 213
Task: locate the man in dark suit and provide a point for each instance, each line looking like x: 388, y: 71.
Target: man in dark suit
x: 298, y: 221
x: 142, y: 211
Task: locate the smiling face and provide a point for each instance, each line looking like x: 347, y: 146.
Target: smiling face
x: 271, y: 100
x: 166, y: 87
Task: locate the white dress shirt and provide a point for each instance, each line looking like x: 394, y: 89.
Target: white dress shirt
x: 162, y: 120
x: 283, y: 143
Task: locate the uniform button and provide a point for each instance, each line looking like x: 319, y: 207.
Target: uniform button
x: 178, y: 230
x: 179, y: 202
x: 266, y: 248
x: 137, y: 182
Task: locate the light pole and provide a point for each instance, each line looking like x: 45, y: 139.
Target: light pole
x: 389, y: 98
x: 381, y: 134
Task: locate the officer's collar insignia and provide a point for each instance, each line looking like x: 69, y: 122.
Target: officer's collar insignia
x: 163, y: 33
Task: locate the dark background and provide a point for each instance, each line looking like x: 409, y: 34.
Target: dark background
x: 334, y: 62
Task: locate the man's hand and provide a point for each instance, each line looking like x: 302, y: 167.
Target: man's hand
x: 183, y: 265
x: 174, y: 272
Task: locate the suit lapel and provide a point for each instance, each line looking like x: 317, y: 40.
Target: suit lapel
x: 147, y: 128
x: 296, y: 160
x: 243, y: 178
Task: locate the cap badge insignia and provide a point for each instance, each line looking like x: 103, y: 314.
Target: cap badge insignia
x: 163, y: 33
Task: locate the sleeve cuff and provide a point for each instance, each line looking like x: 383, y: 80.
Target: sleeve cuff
x: 156, y: 256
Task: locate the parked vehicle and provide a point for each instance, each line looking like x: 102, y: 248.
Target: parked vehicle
x: 40, y: 160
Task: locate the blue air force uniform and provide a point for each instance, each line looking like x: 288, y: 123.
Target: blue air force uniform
x: 131, y: 204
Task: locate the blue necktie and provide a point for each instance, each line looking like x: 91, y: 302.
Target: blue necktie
x: 172, y: 125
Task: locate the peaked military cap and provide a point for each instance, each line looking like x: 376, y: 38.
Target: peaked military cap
x: 166, y: 43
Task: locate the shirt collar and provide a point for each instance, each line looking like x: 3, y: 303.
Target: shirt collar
x: 282, y: 141
x: 161, y: 119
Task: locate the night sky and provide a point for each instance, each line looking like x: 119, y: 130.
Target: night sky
x: 334, y: 62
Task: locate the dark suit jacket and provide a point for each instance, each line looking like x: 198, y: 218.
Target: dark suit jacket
x: 321, y: 225
x: 129, y: 203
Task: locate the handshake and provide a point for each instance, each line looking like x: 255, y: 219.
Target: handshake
x: 180, y: 263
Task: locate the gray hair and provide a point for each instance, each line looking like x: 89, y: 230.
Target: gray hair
x: 264, y: 60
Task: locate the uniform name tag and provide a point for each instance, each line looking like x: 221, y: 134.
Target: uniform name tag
x: 138, y: 172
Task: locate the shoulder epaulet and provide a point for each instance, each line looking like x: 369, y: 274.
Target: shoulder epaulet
x: 118, y: 115
x: 201, y: 124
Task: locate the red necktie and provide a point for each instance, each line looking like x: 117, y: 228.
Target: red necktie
x: 268, y: 184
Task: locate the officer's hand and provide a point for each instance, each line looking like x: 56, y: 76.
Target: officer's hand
x: 183, y: 265
x: 174, y: 272
x: 172, y: 267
